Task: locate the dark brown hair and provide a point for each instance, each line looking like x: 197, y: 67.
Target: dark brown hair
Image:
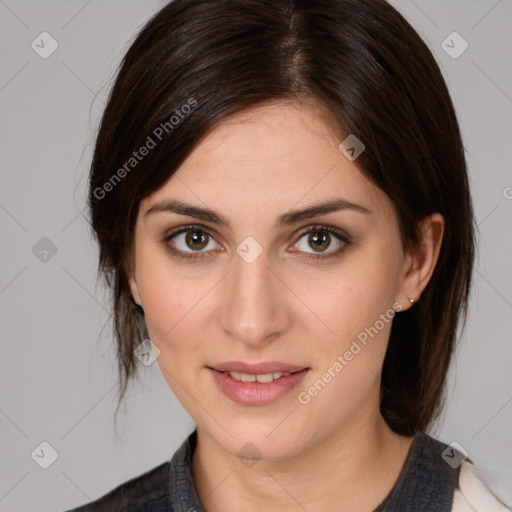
x: 196, y: 62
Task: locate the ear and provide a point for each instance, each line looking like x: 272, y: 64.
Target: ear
x: 134, y: 289
x: 421, y: 260
x: 132, y: 281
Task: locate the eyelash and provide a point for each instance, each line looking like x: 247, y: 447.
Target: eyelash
x: 198, y: 255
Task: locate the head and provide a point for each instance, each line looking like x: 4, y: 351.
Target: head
x: 245, y: 110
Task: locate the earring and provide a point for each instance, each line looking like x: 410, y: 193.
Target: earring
x: 412, y: 301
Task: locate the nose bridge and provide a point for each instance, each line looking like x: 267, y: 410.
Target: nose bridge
x: 253, y: 311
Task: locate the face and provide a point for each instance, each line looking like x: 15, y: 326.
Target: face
x: 309, y: 296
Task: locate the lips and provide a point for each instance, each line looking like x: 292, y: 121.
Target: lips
x: 257, y: 393
x: 257, y: 368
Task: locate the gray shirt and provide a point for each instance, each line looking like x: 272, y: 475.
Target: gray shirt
x: 426, y: 484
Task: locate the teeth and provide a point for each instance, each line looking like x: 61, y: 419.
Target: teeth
x: 265, y: 377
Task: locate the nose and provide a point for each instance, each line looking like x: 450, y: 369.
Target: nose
x: 255, y: 311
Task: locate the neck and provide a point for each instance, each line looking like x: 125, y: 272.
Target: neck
x: 354, y: 469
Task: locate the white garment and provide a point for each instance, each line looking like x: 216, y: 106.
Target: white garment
x: 474, y: 495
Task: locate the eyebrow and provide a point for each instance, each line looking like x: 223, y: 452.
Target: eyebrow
x: 286, y: 219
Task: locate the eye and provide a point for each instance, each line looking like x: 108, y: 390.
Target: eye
x: 321, y: 238
x: 189, y: 237
x: 195, y: 242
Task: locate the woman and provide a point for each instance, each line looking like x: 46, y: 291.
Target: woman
x: 280, y: 197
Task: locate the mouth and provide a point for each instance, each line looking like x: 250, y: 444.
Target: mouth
x: 257, y: 384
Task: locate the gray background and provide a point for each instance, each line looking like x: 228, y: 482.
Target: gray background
x: 58, y: 374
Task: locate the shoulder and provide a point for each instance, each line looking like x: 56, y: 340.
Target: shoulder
x: 473, y: 495
x: 143, y: 493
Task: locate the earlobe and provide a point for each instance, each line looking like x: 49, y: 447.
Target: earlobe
x: 422, y: 259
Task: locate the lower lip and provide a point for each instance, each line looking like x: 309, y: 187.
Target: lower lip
x: 256, y: 393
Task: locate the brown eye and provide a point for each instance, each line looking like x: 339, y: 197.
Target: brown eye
x: 188, y: 241
x: 319, y: 241
x: 196, y: 239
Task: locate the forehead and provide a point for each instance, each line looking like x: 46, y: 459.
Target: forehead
x: 268, y: 159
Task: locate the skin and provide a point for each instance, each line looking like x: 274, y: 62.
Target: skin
x: 335, y: 452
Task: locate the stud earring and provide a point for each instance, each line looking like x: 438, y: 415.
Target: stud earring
x: 412, y: 301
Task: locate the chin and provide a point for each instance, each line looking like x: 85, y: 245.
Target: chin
x: 255, y: 440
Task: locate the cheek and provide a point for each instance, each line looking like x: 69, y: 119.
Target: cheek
x: 164, y: 294
x: 351, y: 296
x: 176, y: 297
x: 171, y: 313
x: 171, y: 307
x: 348, y: 361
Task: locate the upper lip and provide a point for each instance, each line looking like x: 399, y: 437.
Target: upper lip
x: 256, y: 369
